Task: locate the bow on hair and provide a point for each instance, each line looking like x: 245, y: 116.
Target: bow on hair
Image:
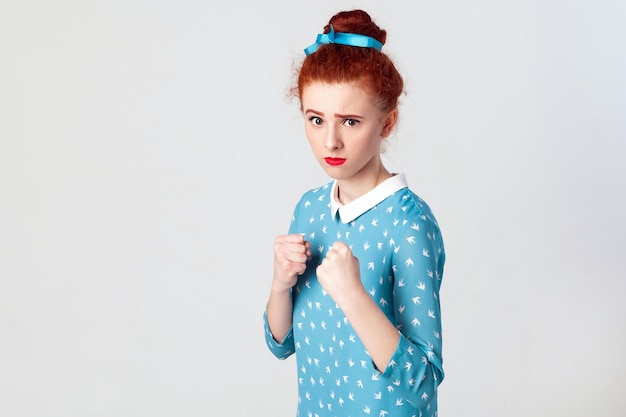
x: 341, y: 38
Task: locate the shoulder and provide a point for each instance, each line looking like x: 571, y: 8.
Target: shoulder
x: 316, y: 196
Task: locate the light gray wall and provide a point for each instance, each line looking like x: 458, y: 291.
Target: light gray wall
x: 148, y: 158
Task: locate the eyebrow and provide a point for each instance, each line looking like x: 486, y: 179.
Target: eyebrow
x: 337, y: 115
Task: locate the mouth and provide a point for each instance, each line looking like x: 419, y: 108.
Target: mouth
x: 334, y: 161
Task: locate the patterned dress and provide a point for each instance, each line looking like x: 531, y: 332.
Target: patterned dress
x: 401, y: 255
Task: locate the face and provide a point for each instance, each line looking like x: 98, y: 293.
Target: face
x: 345, y: 128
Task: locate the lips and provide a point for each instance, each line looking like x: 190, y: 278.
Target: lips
x: 334, y: 161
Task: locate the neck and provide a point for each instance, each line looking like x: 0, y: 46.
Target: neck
x: 350, y: 189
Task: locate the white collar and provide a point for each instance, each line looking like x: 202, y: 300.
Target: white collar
x: 355, y: 208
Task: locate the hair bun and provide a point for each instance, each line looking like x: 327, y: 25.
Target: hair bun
x: 356, y: 21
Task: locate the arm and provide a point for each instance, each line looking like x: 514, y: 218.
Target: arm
x: 377, y: 333
x: 290, y: 255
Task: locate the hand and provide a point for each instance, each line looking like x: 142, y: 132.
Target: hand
x: 290, y: 255
x: 339, y: 273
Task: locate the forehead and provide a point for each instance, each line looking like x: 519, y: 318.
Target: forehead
x: 337, y: 97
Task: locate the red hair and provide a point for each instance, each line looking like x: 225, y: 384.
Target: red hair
x: 334, y: 63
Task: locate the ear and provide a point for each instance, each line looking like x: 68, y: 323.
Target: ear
x: 389, y: 123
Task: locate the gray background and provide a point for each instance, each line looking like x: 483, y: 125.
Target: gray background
x: 149, y: 156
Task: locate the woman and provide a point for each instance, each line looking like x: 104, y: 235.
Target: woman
x: 355, y: 291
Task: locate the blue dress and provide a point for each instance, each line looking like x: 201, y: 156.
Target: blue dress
x: 397, y: 240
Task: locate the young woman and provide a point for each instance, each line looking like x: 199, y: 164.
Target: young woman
x: 355, y: 291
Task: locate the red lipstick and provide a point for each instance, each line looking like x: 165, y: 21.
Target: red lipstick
x: 334, y: 161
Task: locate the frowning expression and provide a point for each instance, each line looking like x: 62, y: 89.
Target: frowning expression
x: 345, y: 127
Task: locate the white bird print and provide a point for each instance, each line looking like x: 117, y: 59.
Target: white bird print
x: 321, y: 381
x: 395, y: 222
x: 352, y: 338
x: 318, y: 305
x: 324, y: 229
x: 401, y: 309
x: 425, y: 253
x: 412, y: 382
x: 361, y: 228
x: 309, y: 303
x: 424, y: 396
x: 321, y: 197
x: 366, y: 246
x: 404, y: 222
x: 415, y: 322
x: 322, y: 216
x: 347, y: 235
x: 313, y: 326
x: 370, y: 266
x: 410, y: 350
x: 350, y: 362
x: 351, y: 396
x: 312, y: 236
x: 323, y: 324
x: 401, y: 282
x: 415, y: 226
x: 322, y: 348
x: 375, y: 377
x: 311, y: 219
x: 408, y: 365
x: 383, y: 413
x: 383, y: 302
x: 399, y: 402
x: 390, y: 388
x: 363, y: 364
x: 408, y: 262
x: 359, y: 383
x: 341, y: 401
x: 307, y: 395
x: 380, y: 245
x: 366, y: 409
x: 429, y: 273
x: 385, y: 232
x: 303, y: 369
x: 372, y: 291
x: 338, y: 382
x: 416, y: 300
x: 307, y: 204
x: 396, y: 382
x: 378, y: 395
x: 392, y: 242
x: 431, y: 314
x: 299, y: 325
x: 436, y: 334
x: 411, y: 240
x: 328, y: 370
x: 375, y: 222
x: 389, y: 209
x: 421, y: 286
x: 330, y: 312
x: 307, y: 340
x: 338, y: 235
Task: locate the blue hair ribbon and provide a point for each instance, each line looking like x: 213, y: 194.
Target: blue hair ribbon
x: 341, y: 38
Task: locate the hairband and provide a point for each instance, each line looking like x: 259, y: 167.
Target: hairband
x: 341, y: 38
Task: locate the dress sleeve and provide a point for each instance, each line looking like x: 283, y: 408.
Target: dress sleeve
x: 280, y: 350
x: 415, y: 369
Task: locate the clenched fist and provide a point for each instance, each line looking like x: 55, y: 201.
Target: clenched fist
x: 339, y: 273
x: 291, y: 253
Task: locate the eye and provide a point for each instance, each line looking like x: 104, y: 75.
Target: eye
x: 351, y: 122
x: 316, y: 121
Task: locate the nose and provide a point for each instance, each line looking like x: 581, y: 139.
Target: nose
x: 333, y: 141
